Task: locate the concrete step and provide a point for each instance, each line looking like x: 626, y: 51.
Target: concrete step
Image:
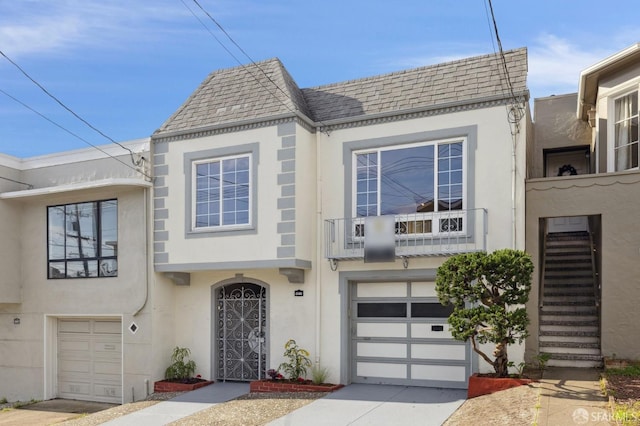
x: 569, y: 333
x: 576, y: 357
x: 574, y: 363
x: 571, y: 347
x: 568, y: 302
x: 570, y: 339
x: 557, y: 296
x: 568, y: 322
x: 569, y: 310
x: 561, y: 310
x: 547, y: 318
x: 569, y: 284
x: 578, y: 329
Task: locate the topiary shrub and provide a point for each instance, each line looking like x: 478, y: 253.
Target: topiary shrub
x: 487, y: 292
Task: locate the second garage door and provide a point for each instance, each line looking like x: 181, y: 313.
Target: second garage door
x: 90, y: 359
x: 400, y: 336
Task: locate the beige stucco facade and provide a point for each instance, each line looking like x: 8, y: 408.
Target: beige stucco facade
x: 33, y: 303
x: 603, y: 192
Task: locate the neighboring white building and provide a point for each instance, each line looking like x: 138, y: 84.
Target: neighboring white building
x: 76, y: 275
x: 252, y: 232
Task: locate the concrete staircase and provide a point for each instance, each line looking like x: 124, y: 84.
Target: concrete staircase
x: 569, y: 314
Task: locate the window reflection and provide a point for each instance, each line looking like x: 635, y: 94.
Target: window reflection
x: 83, y: 240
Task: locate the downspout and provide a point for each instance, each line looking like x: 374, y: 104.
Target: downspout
x: 148, y: 251
x: 515, y: 114
x: 319, y: 251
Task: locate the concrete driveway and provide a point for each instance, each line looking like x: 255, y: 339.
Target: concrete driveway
x: 50, y: 412
x: 378, y: 405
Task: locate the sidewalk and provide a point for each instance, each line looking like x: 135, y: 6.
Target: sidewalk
x: 572, y: 396
x: 183, y: 405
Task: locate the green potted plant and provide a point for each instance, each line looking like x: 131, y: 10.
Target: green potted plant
x: 488, y: 292
x: 179, y: 374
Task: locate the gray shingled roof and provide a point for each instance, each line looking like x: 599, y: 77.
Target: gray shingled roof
x: 238, y: 94
x: 245, y: 93
x: 463, y: 80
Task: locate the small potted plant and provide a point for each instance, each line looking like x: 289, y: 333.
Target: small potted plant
x: 179, y: 374
x: 295, y: 369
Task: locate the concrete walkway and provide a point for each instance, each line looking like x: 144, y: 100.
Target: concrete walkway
x: 572, y: 396
x: 378, y: 405
x: 183, y: 405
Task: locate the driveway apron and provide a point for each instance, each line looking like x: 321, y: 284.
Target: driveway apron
x: 359, y: 404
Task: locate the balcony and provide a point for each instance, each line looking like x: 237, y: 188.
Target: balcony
x: 416, y: 234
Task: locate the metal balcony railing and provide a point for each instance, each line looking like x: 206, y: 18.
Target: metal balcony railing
x: 416, y: 234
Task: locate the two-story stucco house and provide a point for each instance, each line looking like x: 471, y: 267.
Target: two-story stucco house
x: 581, y: 195
x: 265, y: 195
x: 252, y: 220
x: 75, y: 314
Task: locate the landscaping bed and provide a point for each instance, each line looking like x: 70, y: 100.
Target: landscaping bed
x: 622, y: 385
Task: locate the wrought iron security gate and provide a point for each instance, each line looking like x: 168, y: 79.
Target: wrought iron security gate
x: 241, y: 332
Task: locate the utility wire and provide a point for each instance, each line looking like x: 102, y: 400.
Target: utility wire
x: 136, y: 162
x: 262, y: 71
x: 239, y: 48
x: 73, y: 134
x: 503, y: 59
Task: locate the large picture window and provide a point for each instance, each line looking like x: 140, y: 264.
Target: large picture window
x: 409, y: 179
x: 626, y: 132
x: 83, y: 240
x: 222, y: 192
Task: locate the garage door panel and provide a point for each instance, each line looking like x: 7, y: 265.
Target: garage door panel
x: 383, y: 370
x: 90, y: 360
x: 427, y: 351
x: 74, y: 366
x: 452, y: 373
x: 380, y: 290
x: 400, y: 335
x: 423, y: 289
x: 106, y: 390
x: 380, y: 329
x: 75, y: 389
x: 383, y: 350
x: 107, y: 327
x: 70, y: 345
x: 74, y: 326
x: 431, y: 331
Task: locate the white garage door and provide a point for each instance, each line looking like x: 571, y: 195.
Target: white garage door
x: 90, y: 359
x: 400, y: 336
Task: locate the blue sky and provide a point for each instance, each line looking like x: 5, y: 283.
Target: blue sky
x: 125, y: 66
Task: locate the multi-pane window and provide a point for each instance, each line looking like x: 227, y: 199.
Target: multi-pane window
x: 83, y: 240
x: 412, y: 179
x: 222, y: 189
x: 626, y: 132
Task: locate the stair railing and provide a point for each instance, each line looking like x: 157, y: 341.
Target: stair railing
x: 594, y: 271
x: 543, y: 268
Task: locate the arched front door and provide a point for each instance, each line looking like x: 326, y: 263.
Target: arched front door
x: 240, y: 331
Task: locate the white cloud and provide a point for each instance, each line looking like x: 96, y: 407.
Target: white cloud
x: 45, y: 27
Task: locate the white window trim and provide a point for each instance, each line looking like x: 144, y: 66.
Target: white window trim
x: 194, y: 188
x: 435, y: 215
x: 612, y: 96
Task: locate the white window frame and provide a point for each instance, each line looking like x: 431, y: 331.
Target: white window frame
x: 434, y: 216
x: 194, y: 190
x: 611, y: 122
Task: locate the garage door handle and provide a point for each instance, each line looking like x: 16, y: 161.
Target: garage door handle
x: 437, y: 328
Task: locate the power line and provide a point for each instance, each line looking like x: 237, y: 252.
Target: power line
x: 73, y: 134
x: 133, y: 160
x: 262, y: 71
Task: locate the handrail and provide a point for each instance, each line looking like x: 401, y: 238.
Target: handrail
x: 594, y: 270
x: 543, y: 268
